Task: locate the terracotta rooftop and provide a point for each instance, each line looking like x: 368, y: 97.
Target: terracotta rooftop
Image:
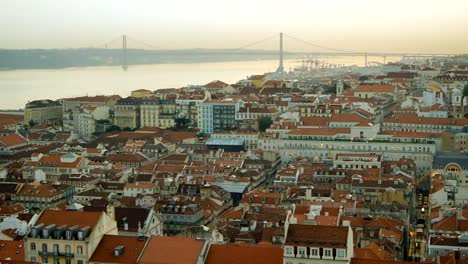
x: 55, y: 160
x: 319, y: 131
x: 244, y: 254
x: 375, y: 88
x: 414, y: 119
x: 104, y: 252
x: 12, y: 140
x: 69, y: 218
x: 217, y: 84
x: 345, y: 117
x: 172, y: 250
x: 13, y: 209
x: 315, y: 235
x: 39, y: 191
x: 12, y: 250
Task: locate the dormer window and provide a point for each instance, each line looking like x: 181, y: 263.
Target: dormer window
x: 340, y: 253
x: 301, y: 252
x: 289, y: 250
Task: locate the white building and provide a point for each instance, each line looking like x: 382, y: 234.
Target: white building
x: 87, y: 118
x: 326, y: 143
x: 318, y: 244
x: 218, y: 115
x: 139, y: 188
x: 250, y: 138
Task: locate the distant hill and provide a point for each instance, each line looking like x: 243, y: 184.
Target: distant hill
x: 66, y: 58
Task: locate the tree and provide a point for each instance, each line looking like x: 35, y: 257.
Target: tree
x: 181, y: 123
x: 264, y: 122
x: 32, y: 123
x: 113, y: 128
x: 363, y: 78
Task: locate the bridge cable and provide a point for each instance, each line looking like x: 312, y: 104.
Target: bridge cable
x: 318, y: 46
x: 144, y: 43
x: 254, y: 43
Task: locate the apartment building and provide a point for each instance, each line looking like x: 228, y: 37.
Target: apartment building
x: 43, y: 112
x: 127, y: 113
x: 69, y: 237
x: 157, y: 112
x: 218, y: 115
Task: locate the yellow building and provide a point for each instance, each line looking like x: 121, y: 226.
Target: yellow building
x: 43, y: 112
x: 257, y: 80
x: 68, y: 237
x: 158, y: 113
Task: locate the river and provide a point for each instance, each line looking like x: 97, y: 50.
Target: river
x: 17, y: 87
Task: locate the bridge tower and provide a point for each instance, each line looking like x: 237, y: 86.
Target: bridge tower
x: 280, y: 67
x: 124, y: 53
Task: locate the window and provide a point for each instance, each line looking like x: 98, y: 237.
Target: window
x: 341, y: 253
x: 79, y: 262
x: 44, y: 247
x: 68, y: 261
x: 56, y: 261
x: 327, y: 253
x: 79, y: 250
x: 67, y: 249
x: 301, y: 252
x: 33, y: 246
x: 45, y: 260
x: 289, y: 250
x: 56, y: 248
x: 33, y: 259
x: 314, y: 252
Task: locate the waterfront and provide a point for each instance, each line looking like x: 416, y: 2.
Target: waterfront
x: 20, y: 86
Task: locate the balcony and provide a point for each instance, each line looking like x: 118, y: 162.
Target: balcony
x: 56, y: 254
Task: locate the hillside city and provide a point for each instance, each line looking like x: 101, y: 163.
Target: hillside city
x: 317, y: 164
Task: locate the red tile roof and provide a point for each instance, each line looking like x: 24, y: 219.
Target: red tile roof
x: 414, y: 119
x: 318, y: 121
x: 104, y: 252
x: 168, y: 250
x: 216, y: 85
x: 375, y: 88
x: 347, y: 117
x: 10, y: 210
x: 39, y: 190
x: 54, y: 160
x: 12, y: 250
x: 69, y: 218
x: 315, y: 235
x: 244, y: 254
x: 257, y: 77
x: 12, y: 140
x: 319, y: 131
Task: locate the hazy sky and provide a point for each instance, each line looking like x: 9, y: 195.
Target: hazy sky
x: 358, y: 25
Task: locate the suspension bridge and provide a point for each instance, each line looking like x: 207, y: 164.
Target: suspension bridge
x: 318, y: 50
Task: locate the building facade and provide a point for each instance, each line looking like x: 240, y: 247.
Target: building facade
x: 43, y: 112
x: 218, y: 115
x: 127, y: 113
